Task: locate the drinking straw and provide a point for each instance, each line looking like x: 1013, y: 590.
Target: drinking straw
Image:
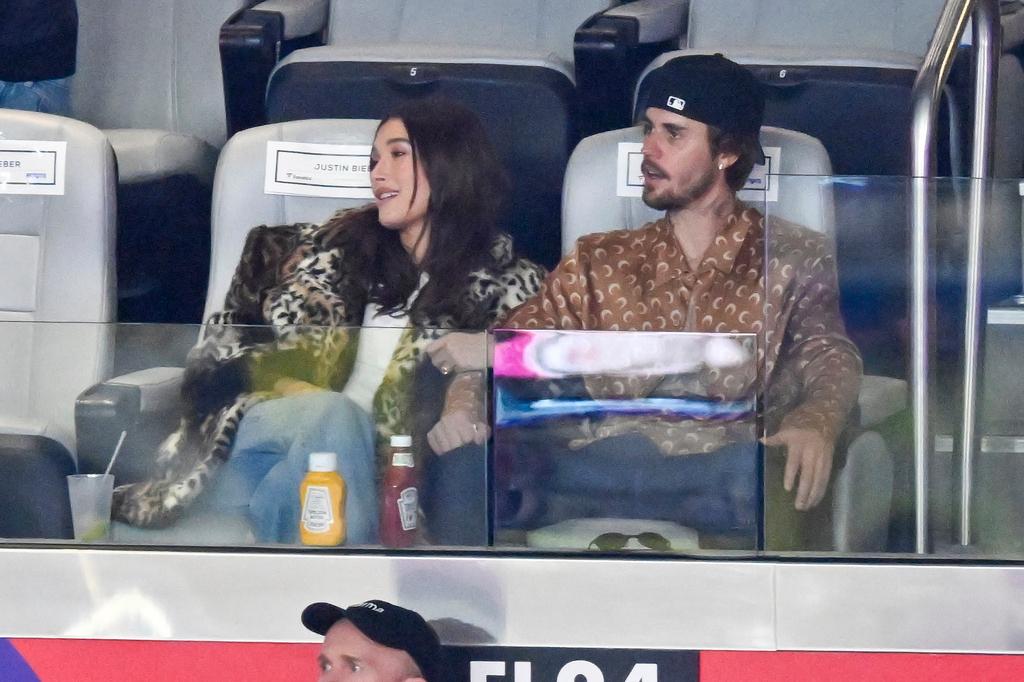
x: 117, y: 449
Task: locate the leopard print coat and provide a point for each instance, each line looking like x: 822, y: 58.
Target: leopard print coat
x: 292, y: 310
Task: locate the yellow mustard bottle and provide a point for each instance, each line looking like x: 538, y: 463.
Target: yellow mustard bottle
x: 322, y: 495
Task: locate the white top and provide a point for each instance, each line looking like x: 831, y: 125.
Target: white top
x: 377, y: 343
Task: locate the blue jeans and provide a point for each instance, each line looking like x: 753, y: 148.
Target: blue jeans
x: 49, y: 97
x: 626, y: 476
x: 270, y: 459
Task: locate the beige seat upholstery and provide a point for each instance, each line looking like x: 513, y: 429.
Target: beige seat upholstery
x: 56, y: 268
x: 863, y: 493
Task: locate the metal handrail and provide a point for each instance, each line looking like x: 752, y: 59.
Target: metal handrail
x: 931, y: 78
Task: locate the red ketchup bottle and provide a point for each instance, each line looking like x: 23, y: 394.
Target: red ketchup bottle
x: 399, y: 502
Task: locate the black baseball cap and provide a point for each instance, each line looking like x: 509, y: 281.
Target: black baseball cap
x: 708, y: 88
x: 386, y: 624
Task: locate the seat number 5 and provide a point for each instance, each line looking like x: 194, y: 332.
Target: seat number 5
x: 412, y: 71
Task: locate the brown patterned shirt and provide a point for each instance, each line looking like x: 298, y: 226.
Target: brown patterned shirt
x: 780, y: 286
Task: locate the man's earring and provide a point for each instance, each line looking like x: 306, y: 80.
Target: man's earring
x: 721, y: 166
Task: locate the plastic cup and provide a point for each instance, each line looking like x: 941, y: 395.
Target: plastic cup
x: 90, y: 496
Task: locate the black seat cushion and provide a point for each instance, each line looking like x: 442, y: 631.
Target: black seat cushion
x: 33, y: 487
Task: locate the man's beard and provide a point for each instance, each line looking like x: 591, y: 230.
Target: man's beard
x: 676, y: 200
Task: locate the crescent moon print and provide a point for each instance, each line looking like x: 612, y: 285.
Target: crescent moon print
x: 779, y: 284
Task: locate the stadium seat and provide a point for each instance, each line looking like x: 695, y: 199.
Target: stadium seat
x: 511, y: 62
x: 859, y: 109
x: 843, y: 73
x: 839, y: 72
x: 863, y: 488
x: 148, y: 74
x: 57, y: 296
x: 239, y: 204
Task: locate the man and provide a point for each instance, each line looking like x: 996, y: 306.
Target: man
x: 38, y: 42
x: 374, y: 642
x: 712, y: 265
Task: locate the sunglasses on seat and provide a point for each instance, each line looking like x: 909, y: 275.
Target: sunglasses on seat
x: 609, y: 542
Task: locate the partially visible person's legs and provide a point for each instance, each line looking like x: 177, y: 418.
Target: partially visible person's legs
x: 320, y: 422
x: 270, y: 457
x: 627, y: 476
x: 455, y: 490
x: 48, y: 97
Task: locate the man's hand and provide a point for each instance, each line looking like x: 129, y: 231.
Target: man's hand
x: 809, y: 455
x: 459, y: 352
x: 456, y: 429
x: 287, y: 387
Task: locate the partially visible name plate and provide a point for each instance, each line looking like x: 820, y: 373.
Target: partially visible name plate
x: 318, y: 170
x: 32, y: 167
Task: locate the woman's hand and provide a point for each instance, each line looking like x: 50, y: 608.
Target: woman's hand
x: 455, y: 429
x: 287, y: 387
x: 459, y: 352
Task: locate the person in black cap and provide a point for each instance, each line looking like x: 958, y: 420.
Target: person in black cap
x: 703, y: 268
x: 374, y: 642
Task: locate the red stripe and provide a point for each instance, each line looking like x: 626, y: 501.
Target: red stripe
x: 57, y: 660
x: 741, y: 666
x: 76, y: 660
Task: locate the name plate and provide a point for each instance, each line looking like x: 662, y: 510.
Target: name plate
x: 318, y: 170
x: 32, y: 167
x: 630, y: 179
x: 762, y: 185
x: 763, y: 182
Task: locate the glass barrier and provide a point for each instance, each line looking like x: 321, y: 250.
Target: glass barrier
x: 622, y: 440
x: 869, y: 503
x: 604, y: 441
x: 209, y: 432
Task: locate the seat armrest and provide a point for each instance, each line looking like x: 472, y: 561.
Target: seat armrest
x: 862, y: 496
x: 880, y: 398
x: 252, y: 41
x: 145, y: 404
x: 611, y: 50
x: 301, y: 17
x: 658, y: 20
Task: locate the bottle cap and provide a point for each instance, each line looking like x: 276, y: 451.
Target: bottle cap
x: 401, y: 441
x: 323, y: 461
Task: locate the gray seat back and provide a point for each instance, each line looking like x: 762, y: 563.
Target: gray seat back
x: 239, y: 201
x: 152, y: 64
x: 869, y: 25
x: 56, y: 266
x: 590, y: 202
x: 546, y: 26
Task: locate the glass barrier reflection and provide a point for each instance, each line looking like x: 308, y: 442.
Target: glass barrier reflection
x: 870, y: 502
x: 218, y: 435
x: 626, y: 440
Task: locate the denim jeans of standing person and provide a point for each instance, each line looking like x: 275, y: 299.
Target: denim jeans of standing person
x: 270, y: 457
x: 48, y: 97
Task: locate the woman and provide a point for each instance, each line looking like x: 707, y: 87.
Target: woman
x: 425, y: 257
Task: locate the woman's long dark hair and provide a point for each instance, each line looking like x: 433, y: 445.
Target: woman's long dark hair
x: 467, y: 189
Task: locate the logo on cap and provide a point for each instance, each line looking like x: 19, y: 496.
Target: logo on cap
x: 368, y: 605
x: 676, y: 103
